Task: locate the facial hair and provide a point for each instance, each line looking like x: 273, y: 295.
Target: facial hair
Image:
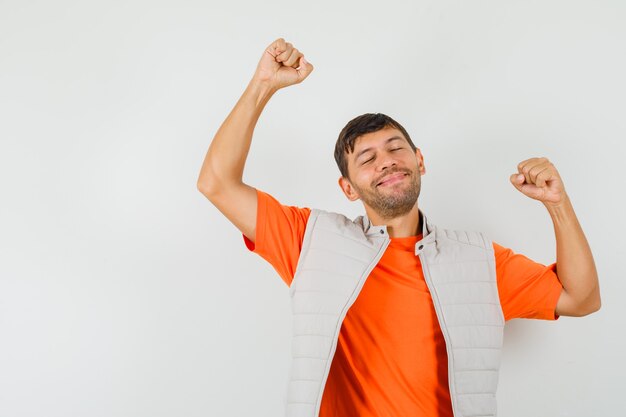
x: 392, y: 203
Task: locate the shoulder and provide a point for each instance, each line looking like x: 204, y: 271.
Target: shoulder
x: 269, y: 206
x: 337, y: 222
x: 463, y: 237
x: 331, y: 216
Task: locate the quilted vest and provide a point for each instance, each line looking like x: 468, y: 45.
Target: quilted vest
x: 336, y: 258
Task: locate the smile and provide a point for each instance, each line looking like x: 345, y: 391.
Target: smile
x: 392, y: 179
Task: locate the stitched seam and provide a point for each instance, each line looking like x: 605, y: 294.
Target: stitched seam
x: 464, y: 243
x: 360, y: 242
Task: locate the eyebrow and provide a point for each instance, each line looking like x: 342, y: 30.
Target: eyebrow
x: 362, y: 151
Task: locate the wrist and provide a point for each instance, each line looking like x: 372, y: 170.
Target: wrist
x: 561, y: 210
x: 262, y: 91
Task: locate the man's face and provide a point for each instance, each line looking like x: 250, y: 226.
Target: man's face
x: 384, y: 172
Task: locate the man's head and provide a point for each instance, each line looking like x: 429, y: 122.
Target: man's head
x: 379, y: 164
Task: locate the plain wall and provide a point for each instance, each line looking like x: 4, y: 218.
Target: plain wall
x: 124, y: 292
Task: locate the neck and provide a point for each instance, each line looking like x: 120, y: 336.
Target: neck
x: 408, y: 224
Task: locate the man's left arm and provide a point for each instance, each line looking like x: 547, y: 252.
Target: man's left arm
x: 539, y: 179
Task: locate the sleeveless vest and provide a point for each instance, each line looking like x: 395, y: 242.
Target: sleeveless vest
x: 336, y: 258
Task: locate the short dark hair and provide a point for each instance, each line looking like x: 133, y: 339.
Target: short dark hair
x: 360, y: 125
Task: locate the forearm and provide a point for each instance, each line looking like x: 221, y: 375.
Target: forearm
x: 225, y: 160
x: 575, y: 265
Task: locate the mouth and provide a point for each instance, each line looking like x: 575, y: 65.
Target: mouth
x: 392, y: 179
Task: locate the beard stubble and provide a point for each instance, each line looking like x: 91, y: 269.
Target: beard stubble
x: 393, y: 202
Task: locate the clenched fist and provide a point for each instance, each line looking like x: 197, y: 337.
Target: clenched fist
x: 538, y: 178
x: 282, y: 65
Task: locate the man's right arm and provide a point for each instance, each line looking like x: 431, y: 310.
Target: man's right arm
x: 220, y: 178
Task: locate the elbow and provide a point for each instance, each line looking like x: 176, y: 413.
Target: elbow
x: 211, y: 186
x: 208, y: 189
x: 588, y: 311
x: 569, y: 306
x: 207, y: 184
x: 210, y: 183
x: 596, y: 302
x: 596, y: 306
x: 204, y: 187
x: 591, y: 306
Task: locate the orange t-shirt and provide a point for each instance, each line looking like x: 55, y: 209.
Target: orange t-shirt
x: 391, y: 356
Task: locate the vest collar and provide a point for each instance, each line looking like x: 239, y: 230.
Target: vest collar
x: 381, y: 230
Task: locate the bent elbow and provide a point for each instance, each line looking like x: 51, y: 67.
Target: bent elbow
x: 591, y: 307
x: 597, y: 301
x: 203, y: 187
x: 592, y: 303
x: 207, y: 185
x: 596, y: 306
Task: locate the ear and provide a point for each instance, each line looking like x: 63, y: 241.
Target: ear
x: 420, y: 161
x: 348, y: 189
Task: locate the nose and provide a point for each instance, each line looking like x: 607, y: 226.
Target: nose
x: 386, y: 161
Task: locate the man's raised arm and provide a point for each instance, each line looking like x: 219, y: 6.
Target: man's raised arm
x: 220, y: 178
x: 539, y: 179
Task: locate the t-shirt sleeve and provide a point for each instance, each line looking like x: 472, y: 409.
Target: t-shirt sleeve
x: 279, y: 234
x: 527, y: 289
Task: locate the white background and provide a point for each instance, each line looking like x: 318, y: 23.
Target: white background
x: 124, y: 292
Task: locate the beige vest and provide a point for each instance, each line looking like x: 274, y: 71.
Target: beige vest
x: 337, y: 256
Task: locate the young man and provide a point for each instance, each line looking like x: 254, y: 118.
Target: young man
x: 393, y: 316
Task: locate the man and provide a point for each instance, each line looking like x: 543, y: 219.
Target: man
x: 393, y: 316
